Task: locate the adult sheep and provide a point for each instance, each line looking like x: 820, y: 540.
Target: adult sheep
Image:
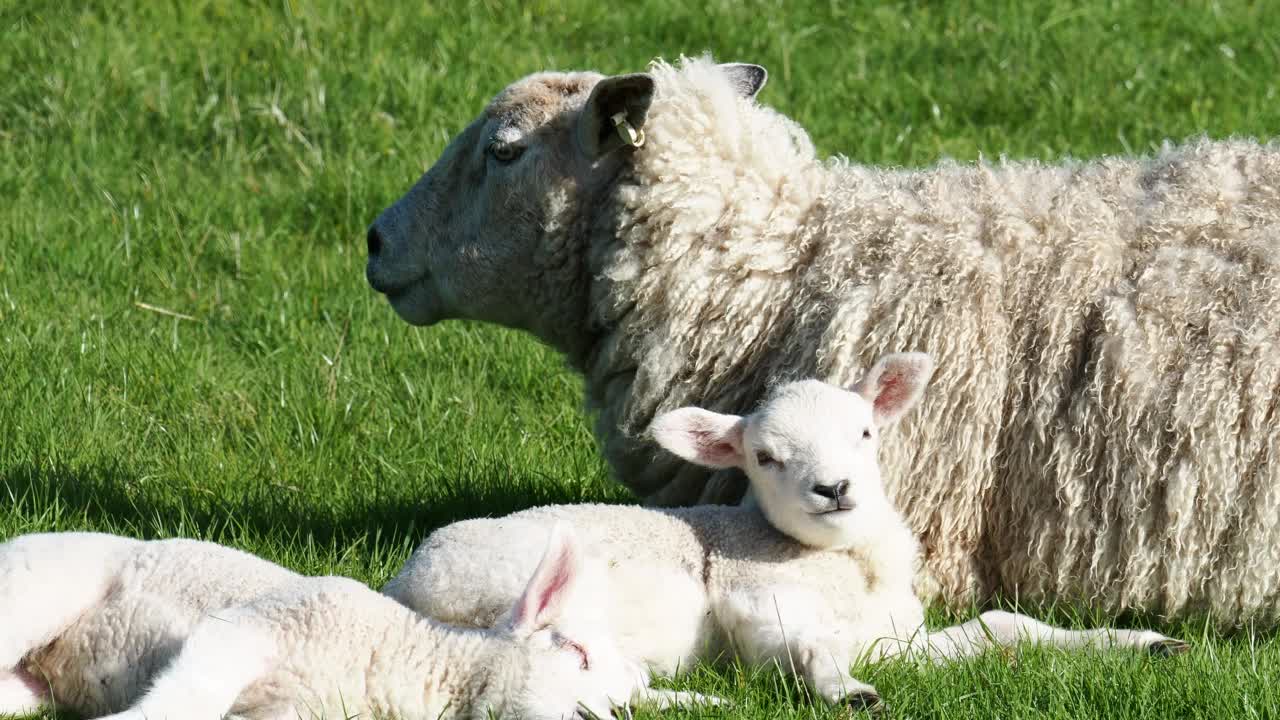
x: 1105, y: 418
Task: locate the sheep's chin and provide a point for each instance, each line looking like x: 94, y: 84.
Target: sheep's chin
x: 417, y: 304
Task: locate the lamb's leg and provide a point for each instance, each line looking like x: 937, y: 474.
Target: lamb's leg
x: 47, y: 582
x: 777, y: 627
x: 21, y: 693
x: 222, y: 657
x: 997, y: 628
x: 668, y: 699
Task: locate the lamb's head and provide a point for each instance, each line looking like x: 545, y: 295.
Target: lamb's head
x: 561, y: 662
x: 494, y: 230
x: 809, y: 450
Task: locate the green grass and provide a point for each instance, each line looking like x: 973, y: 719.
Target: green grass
x: 221, y: 159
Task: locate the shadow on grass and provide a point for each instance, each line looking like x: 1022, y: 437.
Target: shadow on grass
x: 113, y: 498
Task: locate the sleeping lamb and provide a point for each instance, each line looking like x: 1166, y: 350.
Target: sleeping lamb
x: 822, y: 576
x: 188, y: 630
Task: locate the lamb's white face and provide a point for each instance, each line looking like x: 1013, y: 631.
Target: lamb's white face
x: 810, y: 450
x: 572, y: 677
x: 811, y: 458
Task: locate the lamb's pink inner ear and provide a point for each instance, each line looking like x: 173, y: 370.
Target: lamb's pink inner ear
x: 894, y: 396
x: 719, y: 448
x: 555, y: 585
x: 542, y: 601
x: 895, y: 384
x: 701, y: 436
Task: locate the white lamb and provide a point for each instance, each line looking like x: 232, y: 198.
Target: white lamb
x: 182, y: 629
x: 823, y: 576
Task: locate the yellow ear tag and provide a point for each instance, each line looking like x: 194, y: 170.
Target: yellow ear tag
x: 629, y: 135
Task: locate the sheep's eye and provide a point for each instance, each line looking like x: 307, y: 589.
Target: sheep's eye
x: 764, y: 459
x: 866, y: 434
x: 505, y: 152
x: 582, y: 653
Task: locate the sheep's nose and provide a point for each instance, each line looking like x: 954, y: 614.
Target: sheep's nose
x: 374, y: 239
x: 833, y: 492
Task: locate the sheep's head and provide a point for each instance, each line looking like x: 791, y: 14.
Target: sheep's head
x: 809, y: 451
x: 562, y: 662
x: 494, y: 230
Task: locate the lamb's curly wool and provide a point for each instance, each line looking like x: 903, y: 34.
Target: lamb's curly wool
x: 1104, y: 417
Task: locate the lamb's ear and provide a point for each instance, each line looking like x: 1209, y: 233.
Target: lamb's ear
x: 894, y: 384
x: 701, y: 436
x: 598, y: 135
x: 544, y: 599
x: 747, y: 78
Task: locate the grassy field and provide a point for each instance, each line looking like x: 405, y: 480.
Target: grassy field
x: 188, y: 347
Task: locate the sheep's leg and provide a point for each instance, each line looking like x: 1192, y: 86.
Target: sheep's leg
x: 778, y: 626
x: 222, y: 657
x: 1005, y: 629
x: 815, y: 657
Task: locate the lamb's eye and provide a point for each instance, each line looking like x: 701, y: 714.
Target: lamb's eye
x: 866, y: 434
x: 505, y: 152
x: 764, y: 459
x: 585, y: 664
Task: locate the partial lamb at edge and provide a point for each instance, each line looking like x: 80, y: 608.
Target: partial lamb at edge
x: 189, y: 630
x: 819, y: 574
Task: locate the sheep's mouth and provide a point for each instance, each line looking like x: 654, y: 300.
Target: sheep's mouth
x: 393, y: 290
x: 395, y: 293
x: 416, y: 303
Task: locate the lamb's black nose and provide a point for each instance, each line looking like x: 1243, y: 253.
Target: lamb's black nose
x: 375, y: 240
x: 833, y: 492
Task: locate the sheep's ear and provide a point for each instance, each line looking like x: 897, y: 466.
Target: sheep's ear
x: 544, y: 599
x: 894, y: 384
x: 598, y: 134
x: 701, y: 436
x: 747, y: 78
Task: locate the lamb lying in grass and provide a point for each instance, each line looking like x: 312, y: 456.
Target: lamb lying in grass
x: 187, y: 630
x: 823, y: 576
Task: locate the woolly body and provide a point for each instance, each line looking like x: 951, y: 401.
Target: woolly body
x: 182, y: 628
x: 679, y: 578
x: 1104, y: 425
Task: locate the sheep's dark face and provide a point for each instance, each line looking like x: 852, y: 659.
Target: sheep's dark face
x: 497, y: 229
x: 490, y: 231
